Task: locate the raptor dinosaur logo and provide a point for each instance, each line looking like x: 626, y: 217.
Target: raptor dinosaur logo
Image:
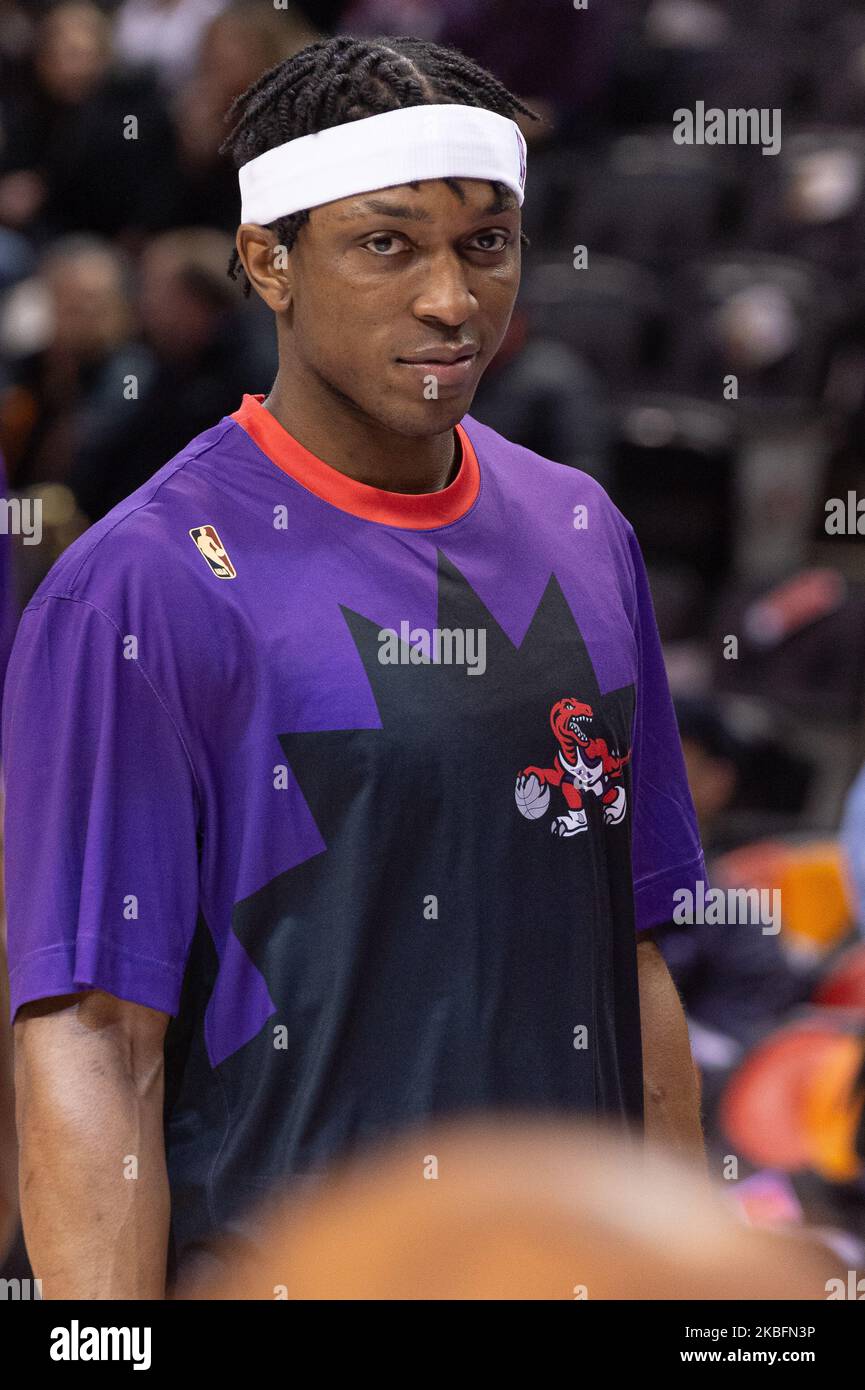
x: 582, y: 764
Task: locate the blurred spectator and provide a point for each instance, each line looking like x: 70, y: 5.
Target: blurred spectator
x: 82, y: 143
x: 735, y: 980
x: 16, y: 31
x: 202, y: 362
x: 197, y: 186
x: 164, y: 35
x: 712, y: 758
x: 59, y: 392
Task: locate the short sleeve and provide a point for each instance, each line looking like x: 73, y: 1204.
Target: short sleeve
x: 101, y: 815
x: 666, y: 852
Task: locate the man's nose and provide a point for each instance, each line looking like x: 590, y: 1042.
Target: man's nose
x: 446, y: 295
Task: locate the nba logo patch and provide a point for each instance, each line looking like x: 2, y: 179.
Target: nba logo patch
x: 214, y: 552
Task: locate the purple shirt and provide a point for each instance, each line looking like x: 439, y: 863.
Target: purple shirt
x: 370, y: 791
x: 9, y: 611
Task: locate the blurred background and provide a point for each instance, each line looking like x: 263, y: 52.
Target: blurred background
x: 701, y: 263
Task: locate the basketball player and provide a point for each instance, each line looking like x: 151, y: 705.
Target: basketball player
x: 289, y: 871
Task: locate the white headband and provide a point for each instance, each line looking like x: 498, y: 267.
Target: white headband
x: 415, y: 142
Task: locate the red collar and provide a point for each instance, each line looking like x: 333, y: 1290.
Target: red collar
x: 415, y: 510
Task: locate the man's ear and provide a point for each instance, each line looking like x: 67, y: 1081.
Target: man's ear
x: 267, y: 263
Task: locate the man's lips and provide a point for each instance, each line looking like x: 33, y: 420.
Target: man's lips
x: 449, y: 367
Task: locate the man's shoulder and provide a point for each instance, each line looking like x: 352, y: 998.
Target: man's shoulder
x: 139, y: 536
x: 535, y: 477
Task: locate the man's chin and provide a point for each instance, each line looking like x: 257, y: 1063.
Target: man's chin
x: 426, y: 418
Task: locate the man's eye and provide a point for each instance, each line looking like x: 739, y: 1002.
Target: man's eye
x: 502, y: 237
x: 389, y: 244
x: 387, y: 238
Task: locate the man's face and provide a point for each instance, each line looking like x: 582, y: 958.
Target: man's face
x: 388, y: 288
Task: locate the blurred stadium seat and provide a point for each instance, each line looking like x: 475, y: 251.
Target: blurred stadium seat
x: 610, y: 313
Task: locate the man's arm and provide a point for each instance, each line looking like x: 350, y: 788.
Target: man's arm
x: 93, y: 1182
x: 671, y: 1088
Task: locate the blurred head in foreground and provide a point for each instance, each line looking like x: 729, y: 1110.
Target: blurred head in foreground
x: 517, y: 1210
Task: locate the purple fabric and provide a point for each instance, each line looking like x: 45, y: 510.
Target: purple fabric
x: 8, y: 599
x: 145, y: 699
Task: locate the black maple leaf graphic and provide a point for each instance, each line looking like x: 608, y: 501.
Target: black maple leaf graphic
x: 393, y: 1010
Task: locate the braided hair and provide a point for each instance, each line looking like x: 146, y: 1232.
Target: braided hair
x: 343, y: 79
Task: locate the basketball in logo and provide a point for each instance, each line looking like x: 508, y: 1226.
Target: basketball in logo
x: 532, y: 799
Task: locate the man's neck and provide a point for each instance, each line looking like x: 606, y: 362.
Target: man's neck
x: 330, y: 427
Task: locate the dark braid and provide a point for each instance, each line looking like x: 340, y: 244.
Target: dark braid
x: 345, y: 79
